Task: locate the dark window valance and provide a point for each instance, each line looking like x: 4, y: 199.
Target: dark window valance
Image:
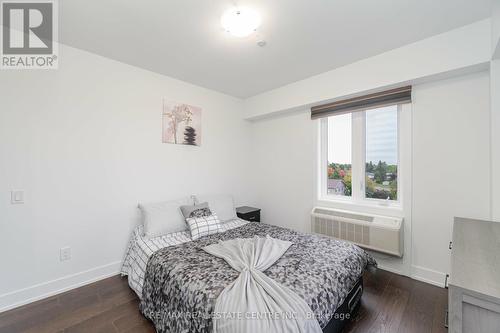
x: 375, y: 100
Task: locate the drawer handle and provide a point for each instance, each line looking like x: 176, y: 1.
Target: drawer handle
x: 450, y: 246
x: 446, y: 281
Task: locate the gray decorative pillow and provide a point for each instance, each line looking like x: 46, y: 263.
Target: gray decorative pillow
x: 200, y: 210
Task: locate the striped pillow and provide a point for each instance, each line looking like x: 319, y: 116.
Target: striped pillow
x: 203, y: 226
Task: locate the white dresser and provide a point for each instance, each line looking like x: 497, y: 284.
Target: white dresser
x: 474, y: 284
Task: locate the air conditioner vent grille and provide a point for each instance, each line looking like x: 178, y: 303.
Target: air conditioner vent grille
x: 352, y: 232
x: 347, y: 215
x: 379, y: 233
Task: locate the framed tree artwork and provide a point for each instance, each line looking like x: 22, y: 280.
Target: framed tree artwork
x: 181, y: 124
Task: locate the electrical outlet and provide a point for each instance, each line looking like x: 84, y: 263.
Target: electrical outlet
x: 65, y: 253
x: 17, y: 197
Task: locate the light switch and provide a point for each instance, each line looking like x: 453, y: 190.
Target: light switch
x: 65, y: 253
x: 17, y: 197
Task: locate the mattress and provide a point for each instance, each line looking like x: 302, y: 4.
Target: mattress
x: 182, y: 282
x: 140, y: 248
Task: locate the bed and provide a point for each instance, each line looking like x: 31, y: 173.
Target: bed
x: 178, y: 283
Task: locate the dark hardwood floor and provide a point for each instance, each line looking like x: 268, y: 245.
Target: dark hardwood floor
x: 390, y: 303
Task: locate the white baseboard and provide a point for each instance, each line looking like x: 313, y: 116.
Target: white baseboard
x: 428, y: 275
x: 50, y: 288
x: 390, y: 269
x: 420, y: 274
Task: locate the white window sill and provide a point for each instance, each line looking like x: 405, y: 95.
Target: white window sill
x: 373, y: 207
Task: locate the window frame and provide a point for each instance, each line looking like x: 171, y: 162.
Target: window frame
x: 358, y: 163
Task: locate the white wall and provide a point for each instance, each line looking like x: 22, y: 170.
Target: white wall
x: 451, y: 164
x: 450, y: 167
x: 495, y: 110
x: 495, y: 137
x: 495, y: 28
x: 84, y: 142
x: 457, y: 51
x: 283, y: 155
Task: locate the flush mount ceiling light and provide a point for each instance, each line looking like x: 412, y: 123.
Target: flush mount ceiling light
x: 240, y: 22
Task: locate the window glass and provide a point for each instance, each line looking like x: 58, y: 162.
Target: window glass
x: 339, y: 171
x: 381, y: 169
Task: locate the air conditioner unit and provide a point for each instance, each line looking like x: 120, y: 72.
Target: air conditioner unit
x: 372, y: 232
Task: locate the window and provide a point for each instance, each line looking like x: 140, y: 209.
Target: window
x: 360, y: 156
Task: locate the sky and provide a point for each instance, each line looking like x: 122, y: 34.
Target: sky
x: 381, y: 136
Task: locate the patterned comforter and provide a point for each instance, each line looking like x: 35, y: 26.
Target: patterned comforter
x: 182, y: 282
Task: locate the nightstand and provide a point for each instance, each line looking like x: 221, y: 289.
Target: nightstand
x: 251, y: 214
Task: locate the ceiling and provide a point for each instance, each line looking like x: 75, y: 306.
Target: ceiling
x: 183, y: 38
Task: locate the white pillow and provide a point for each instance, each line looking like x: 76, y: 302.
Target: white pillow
x: 221, y: 205
x: 161, y: 218
x: 203, y: 226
